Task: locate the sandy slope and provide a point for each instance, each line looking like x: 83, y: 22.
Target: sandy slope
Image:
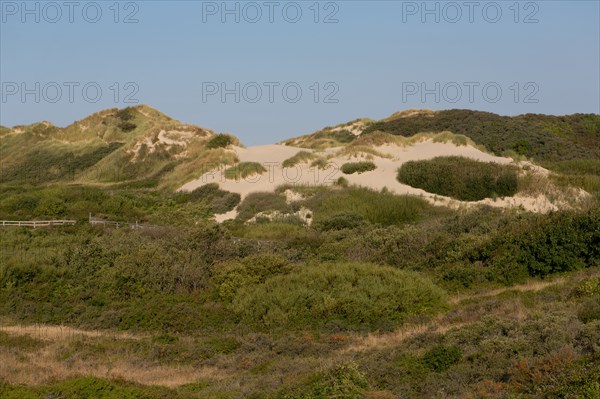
x: 272, y: 156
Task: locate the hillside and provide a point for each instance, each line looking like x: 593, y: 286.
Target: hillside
x: 542, y: 138
x: 348, y: 263
x: 137, y: 144
x: 425, y: 137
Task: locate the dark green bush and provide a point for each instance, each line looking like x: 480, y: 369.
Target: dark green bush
x: 441, y: 358
x: 219, y: 201
x: 220, y: 140
x: 346, y: 220
x: 358, y: 167
x: 460, y: 178
x: 125, y: 116
x: 342, y: 182
x: 259, y: 202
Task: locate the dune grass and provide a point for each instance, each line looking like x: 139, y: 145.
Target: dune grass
x: 300, y: 157
x: 243, y: 170
x: 358, y: 167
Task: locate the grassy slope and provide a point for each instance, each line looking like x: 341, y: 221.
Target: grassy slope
x: 196, y: 303
x: 101, y: 148
x: 544, y: 138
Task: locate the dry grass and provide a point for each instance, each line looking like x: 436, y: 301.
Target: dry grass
x: 381, y: 341
x: 58, y: 360
x: 530, y: 286
x: 45, y: 366
x: 63, y: 333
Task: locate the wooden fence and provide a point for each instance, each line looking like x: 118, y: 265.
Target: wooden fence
x: 97, y: 221
x: 93, y: 221
x: 37, y: 223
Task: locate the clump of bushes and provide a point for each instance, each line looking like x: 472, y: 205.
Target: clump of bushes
x: 374, y: 207
x: 87, y: 387
x: 441, y: 358
x: 230, y: 277
x: 320, y: 163
x: 348, y: 295
x: 125, y: 116
x: 220, y: 140
x: 342, y: 182
x: 340, y: 221
x: 218, y: 201
x: 460, y: 178
x: 345, y: 380
x: 243, y: 170
x: 358, y: 167
x: 260, y: 202
x: 301, y: 157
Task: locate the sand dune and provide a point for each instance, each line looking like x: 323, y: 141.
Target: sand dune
x: 393, y: 156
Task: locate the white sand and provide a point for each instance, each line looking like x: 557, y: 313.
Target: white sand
x: 272, y: 156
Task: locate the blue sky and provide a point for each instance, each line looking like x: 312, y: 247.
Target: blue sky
x: 378, y: 58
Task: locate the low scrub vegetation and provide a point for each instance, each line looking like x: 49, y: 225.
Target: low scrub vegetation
x: 218, y: 201
x: 544, y: 138
x: 358, y: 167
x: 220, y: 140
x: 260, y: 202
x: 359, y: 203
x: 381, y: 296
x: 349, y: 295
x: 460, y: 178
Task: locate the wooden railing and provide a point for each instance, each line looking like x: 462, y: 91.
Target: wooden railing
x: 92, y: 221
x: 37, y: 223
x: 96, y: 221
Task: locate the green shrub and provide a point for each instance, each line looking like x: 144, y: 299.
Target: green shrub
x: 230, y: 277
x: 125, y: 116
x: 345, y: 220
x: 441, y: 358
x: 342, y: 381
x: 460, y: 178
x: 589, y: 310
x: 342, y: 182
x: 375, y: 207
x: 220, y: 140
x: 559, y: 243
x: 219, y: 201
x: 243, y: 170
x: 320, y: 163
x: 358, y: 167
x: 87, y: 387
x: 259, y: 202
x: 351, y: 295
